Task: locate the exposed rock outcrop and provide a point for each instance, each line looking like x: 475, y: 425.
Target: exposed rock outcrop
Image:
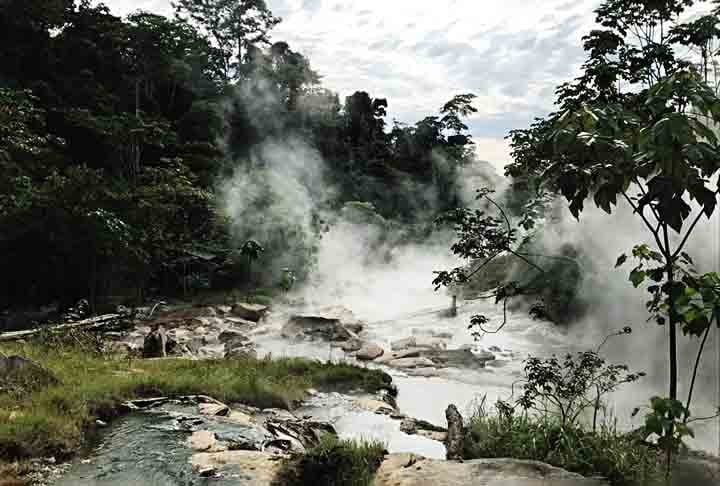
x: 369, y: 352
x: 258, y: 468
x: 412, y: 470
x: 157, y: 344
x: 250, y: 312
x: 333, y: 324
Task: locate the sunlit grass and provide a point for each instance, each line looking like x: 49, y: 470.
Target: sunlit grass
x: 54, y: 420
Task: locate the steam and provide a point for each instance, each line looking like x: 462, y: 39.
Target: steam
x: 614, y: 303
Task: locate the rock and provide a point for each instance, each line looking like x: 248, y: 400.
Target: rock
x: 352, y: 345
x: 408, y: 353
x: 208, y: 312
x: 428, y: 372
x: 329, y: 329
x: 457, y: 358
x: 232, y: 337
x: 204, y: 441
x: 300, y: 434
x: 144, y: 403
x: 369, y: 352
x: 238, y: 322
x: 157, y: 344
x: 494, y: 349
x: 251, y: 312
x: 430, y: 343
x: 432, y: 435
x: 422, y: 428
x: 412, y: 470
x: 456, y: 433
x: 214, y: 409
x: 408, y: 426
x: 239, y: 418
x: 256, y: 468
x: 241, y: 353
x: 402, y: 344
x: 345, y: 316
x: 330, y: 323
x: 374, y: 406
x: 23, y: 374
x: 411, y: 363
x: 224, y: 309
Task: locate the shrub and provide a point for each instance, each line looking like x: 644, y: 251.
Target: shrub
x: 620, y: 458
x: 334, y: 462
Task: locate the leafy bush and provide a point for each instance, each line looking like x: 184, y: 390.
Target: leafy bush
x: 618, y: 457
x: 334, y: 462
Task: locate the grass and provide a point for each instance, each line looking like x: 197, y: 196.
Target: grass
x: 334, y: 462
x: 622, y: 460
x: 53, y: 421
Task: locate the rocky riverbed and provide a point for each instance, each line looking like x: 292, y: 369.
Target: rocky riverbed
x: 430, y: 356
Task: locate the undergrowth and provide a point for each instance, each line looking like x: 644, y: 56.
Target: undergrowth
x: 620, y: 458
x: 334, y: 462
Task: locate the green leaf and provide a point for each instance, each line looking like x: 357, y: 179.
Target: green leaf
x: 637, y: 277
x: 621, y: 259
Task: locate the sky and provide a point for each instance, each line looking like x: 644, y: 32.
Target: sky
x: 420, y: 53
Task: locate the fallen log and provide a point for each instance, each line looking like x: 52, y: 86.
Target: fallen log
x: 98, y: 322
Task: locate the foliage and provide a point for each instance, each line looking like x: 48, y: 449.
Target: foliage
x: 236, y: 27
x: 334, y: 462
x: 651, y: 144
x: 485, y: 238
x: 604, y: 452
x: 569, y: 387
x: 112, y: 143
x: 52, y: 421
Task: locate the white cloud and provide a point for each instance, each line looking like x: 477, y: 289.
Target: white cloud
x: 419, y: 53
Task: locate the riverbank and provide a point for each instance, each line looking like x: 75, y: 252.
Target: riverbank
x: 58, y: 395
x: 84, y: 381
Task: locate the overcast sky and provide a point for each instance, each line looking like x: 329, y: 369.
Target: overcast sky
x: 419, y: 53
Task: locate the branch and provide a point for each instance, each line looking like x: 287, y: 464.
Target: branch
x: 695, y: 369
x: 687, y: 235
x: 520, y: 256
x: 647, y: 223
x: 483, y: 264
x: 644, y: 193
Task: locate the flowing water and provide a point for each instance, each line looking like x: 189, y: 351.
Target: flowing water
x: 396, y: 301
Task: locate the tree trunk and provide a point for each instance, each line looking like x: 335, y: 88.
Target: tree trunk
x: 456, y: 433
x: 672, y: 320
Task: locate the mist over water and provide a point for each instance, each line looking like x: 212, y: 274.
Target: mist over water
x: 388, y: 283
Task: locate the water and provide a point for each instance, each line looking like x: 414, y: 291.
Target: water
x: 141, y: 449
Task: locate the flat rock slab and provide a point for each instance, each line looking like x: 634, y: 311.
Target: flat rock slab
x: 249, y: 468
x: 412, y: 470
x: 411, y: 363
x: 213, y: 409
x: 322, y: 327
x: 204, y: 441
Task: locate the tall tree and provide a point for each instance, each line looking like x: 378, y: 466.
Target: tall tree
x: 236, y: 26
x: 639, y: 125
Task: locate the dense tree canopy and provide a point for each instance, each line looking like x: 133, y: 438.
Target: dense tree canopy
x: 114, y: 137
